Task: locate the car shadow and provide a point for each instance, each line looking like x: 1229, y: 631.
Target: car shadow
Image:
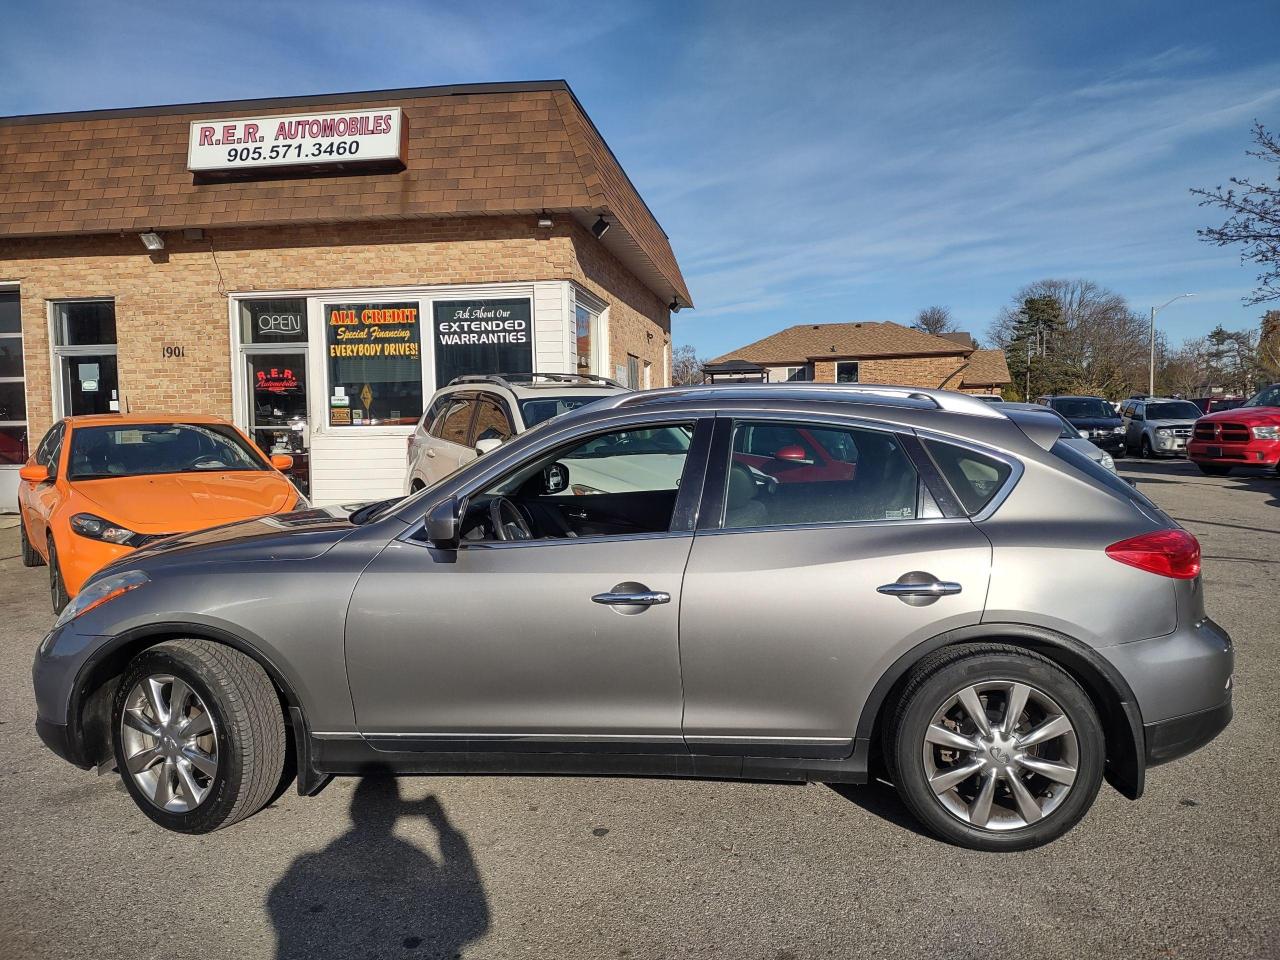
x: 881, y: 799
x: 372, y: 893
x: 1256, y: 479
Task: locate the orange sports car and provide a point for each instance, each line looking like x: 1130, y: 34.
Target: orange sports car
x: 101, y: 486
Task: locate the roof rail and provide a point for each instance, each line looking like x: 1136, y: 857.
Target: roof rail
x: 947, y: 400
x: 513, y: 379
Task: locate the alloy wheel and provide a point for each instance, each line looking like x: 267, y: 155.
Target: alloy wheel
x: 1000, y: 755
x: 170, y: 743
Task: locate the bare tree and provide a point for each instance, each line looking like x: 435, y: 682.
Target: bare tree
x: 1254, y: 220
x: 1099, y: 346
x: 934, y: 320
x: 686, y: 368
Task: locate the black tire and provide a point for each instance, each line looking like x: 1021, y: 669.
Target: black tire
x: 30, y: 556
x: 249, y: 730
x: 941, y: 676
x: 1147, y: 452
x: 1213, y: 469
x: 57, y: 586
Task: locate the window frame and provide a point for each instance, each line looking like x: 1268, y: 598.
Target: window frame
x: 857, y: 371
x: 465, y: 398
x: 60, y: 352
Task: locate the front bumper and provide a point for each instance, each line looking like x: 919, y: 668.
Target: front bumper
x: 1255, y: 453
x: 1113, y: 443
x: 1168, y: 446
x: 57, y: 737
x: 1170, y: 739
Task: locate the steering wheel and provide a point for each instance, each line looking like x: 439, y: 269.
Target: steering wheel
x: 507, y: 521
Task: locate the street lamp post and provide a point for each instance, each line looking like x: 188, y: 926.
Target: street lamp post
x: 1151, y: 373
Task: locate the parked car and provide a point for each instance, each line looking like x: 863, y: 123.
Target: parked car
x: 1158, y: 428
x: 988, y: 397
x: 1094, y: 417
x: 922, y: 621
x: 1214, y: 404
x: 98, y: 487
x: 791, y: 454
x: 1248, y: 435
x: 475, y: 414
x: 1069, y: 435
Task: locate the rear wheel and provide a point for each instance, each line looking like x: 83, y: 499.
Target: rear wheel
x: 995, y: 748
x: 1147, y: 452
x: 1213, y: 469
x: 199, y: 735
x: 57, y: 586
x: 30, y: 558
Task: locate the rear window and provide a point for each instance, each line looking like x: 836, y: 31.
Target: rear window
x: 974, y: 477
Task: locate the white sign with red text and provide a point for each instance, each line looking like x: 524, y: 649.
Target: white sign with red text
x: 303, y: 139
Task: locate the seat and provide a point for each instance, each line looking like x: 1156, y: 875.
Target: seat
x: 742, y: 508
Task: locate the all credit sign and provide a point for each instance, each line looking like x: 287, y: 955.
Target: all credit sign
x: 297, y: 140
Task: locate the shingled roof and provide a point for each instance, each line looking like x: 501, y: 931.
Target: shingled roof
x: 825, y: 341
x: 473, y: 149
x: 986, y: 368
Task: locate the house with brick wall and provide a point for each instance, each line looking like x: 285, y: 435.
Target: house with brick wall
x: 865, y: 352
x: 238, y: 258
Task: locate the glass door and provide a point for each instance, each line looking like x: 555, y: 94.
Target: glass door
x: 277, y: 407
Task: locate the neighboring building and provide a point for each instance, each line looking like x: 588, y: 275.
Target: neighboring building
x: 315, y: 267
x: 865, y: 353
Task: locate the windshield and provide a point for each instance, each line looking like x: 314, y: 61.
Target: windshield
x: 144, y: 449
x: 544, y: 408
x: 1181, y: 410
x: 1078, y: 408
x: 1270, y: 397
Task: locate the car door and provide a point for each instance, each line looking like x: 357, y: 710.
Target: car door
x: 1135, y: 421
x: 445, y: 448
x: 798, y: 597
x: 563, y: 639
x: 41, y: 499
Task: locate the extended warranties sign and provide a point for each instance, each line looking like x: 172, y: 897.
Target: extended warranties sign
x: 483, y: 336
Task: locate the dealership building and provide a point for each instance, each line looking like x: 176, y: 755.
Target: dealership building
x: 315, y: 267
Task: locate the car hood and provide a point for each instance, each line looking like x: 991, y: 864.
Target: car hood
x: 284, y: 536
x: 178, y: 502
x: 1253, y: 416
x: 1165, y: 424
x: 1094, y: 423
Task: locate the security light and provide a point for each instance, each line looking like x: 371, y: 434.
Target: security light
x: 600, y: 228
x: 152, y: 240
x: 544, y: 220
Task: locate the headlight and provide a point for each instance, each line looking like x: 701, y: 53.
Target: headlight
x: 1117, y: 430
x: 99, y: 592
x: 1109, y: 462
x: 1266, y: 433
x: 1162, y: 434
x: 95, y: 528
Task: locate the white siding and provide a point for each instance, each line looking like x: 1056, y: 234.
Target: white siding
x: 352, y: 469
x: 553, y: 329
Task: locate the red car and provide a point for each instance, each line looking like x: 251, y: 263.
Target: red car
x: 796, y: 454
x: 1248, y: 436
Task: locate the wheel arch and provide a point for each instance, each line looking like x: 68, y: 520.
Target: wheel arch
x: 1110, y: 692
x: 89, y: 712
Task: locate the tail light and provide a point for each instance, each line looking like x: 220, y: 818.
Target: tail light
x: 1169, y: 553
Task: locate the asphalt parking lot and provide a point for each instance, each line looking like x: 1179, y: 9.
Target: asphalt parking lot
x: 598, y: 868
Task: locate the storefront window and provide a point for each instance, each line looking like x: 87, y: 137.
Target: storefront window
x: 375, y: 363
x: 13, y: 404
x: 483, y: 336
x: 85, y: 356
x: 273, y: 321
x: 586, y: 337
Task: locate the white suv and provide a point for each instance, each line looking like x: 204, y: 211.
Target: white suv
x: 475, y: 414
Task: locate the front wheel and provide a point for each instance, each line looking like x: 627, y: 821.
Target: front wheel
x: 995, y: 748
x: 1147, y: 451
x: 199, y: 735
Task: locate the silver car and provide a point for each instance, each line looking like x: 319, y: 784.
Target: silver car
x: 772, y: 582
x: 1155, y: 427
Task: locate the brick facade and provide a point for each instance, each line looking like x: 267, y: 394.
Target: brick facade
x: 933, y: 373
x: 179, y: 297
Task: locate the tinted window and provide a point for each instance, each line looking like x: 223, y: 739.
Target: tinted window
x: 1082, y: 407
x: 431, y: 419
x: 141, y: 449
x: 454, y: 424
x: 85, y: 322
x: 1181, y: 410
x: 1269, y: 397
x: 974, y: 477
x: 48, y: 442
x: 544, y: 408
x: 492, y: 422
x: 788, y: 474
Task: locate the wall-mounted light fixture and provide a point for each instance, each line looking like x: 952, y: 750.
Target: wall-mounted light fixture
x: 544, y: 220
x: 675, y: 305
x: 601, y: 227
x: 152, y: 240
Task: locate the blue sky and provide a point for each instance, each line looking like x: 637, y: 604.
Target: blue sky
x: 811, y: 162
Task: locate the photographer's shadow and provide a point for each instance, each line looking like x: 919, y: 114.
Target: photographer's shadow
x: 371, y: 894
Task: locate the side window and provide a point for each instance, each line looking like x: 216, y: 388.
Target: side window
x: 492, y: 422
x: 55, y: 452
x: 974, y: 477
x: 47, y: 443
x: 431, y: 419
x: 628, y: 461
x: 1139, y: 411
x: 849, y: 475
x: 454, y: 424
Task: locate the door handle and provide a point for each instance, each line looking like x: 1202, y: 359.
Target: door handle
x: 919, y: 589
x: 641, y: 598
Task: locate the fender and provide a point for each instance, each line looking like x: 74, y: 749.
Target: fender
x: 89, y: 712
x: 1118, y: 709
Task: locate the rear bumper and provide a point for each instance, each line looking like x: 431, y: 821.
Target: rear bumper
x: 1170, y: 739
x: 1256, y: 453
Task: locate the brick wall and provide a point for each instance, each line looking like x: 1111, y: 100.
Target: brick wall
x: 935, y: 373
x: 178, y: 297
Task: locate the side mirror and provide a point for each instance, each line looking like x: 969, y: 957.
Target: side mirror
x: 485, y: 444
x: 282, y: 461
x: 555, y: 478
x: 33, y: 472
x: 794, y: 453
x: 442, y: 524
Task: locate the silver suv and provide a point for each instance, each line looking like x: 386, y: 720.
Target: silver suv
x: 1158, y: 427
x: 782, y: 582
x: 476, y: 414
